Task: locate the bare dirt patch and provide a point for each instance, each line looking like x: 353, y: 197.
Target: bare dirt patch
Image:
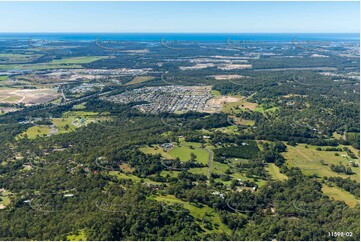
x: 126, y: 168
x: 139, y: 79
x: 234, y: 66
x: 216, y: 104
x: 28, y: 96
x: 227, y: 77
x: 197, y: 66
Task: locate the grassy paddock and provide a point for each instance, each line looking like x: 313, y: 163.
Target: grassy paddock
x: 199, y: 213
x: 340, y: 195
x: 274, y: 171
x: 309, y: 161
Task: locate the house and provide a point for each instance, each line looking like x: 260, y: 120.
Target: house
x: 167, y: 146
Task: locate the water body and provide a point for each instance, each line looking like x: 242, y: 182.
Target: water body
x: 203, y: 37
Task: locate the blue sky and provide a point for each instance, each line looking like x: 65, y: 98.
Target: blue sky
x: 173, y: 17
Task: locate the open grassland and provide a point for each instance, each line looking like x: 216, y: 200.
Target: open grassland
x: 79, y: 106
x: 8, y: 58
x: 66, y: 63
x: 199, y: 213
x: 217, y: 103
x: 228, y: 130
x: 309, y: 161
x: 134, y: 178
x: 340, y: 195
x: 81, y: 236
x: 245, y: 105
x: 40, y: 66
x: 242, y: 122
x: 274, y: 171
x: 139, y: 79
x: 169, y: 173
x: 79, y: 114
x: 70, y: 121
x: 221, y: 168
x: 77, y: 60
x: 262, y: 109
x: 336, y: 135
x: 63, y: 125
x: 4, y: 198
x: 182, y: 151
x: 242, y: 104
x: 154, y: 150
x: 35, y: 131
x: 3, y: 78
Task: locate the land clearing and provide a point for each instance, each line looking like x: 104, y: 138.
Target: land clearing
x: 66, y: 63
x: 28, y: 96
x: 70, y: 121
x: 182, y: 151
x: 199, y: 213
x: 227, y: 77
x: 309, y: 161
x: 139, y: 79
x: 274, y: 171
x: 340, y: 195
x: 241, y: 104
x: 217, y: 103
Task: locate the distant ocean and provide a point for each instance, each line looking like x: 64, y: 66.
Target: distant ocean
x: 152, y: 37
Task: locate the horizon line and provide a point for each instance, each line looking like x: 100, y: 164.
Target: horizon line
x: 179, y: 32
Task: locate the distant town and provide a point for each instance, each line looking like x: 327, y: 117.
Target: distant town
x: 172, y: 99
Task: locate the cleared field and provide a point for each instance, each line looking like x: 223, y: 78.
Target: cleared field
x: 35, y: 131
x: 79, y: 106
x: 125, y: 176
x: 4, y: 110
x: 221, y: 168
x: 3, y: 78
x: 154, y: 150
x: 79, y: 114
x: 63, y: 125
x: 340, y: 195
x: 309, y: 160
x: 274, y: 171
x: 170, y: 173
x: 132, y: 177
x: 227, y: 77
x: 217, y: 103
x: 66, y: 63
x: 4, y: 198
x: 9, y: 58
x: 228, y: 130
x: 183, y: 151
x: 70, y: 121
x: 40, y: 66
x: 139, y: 79
x: 243, y: 122
x: 81, y: 236
x: 336, y: 135
x: 126, y: 168
x: 242, y: 104
x: 263, y: 109
x: 78, y: 60
x: 199, y: 213
x: 28, y: 96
